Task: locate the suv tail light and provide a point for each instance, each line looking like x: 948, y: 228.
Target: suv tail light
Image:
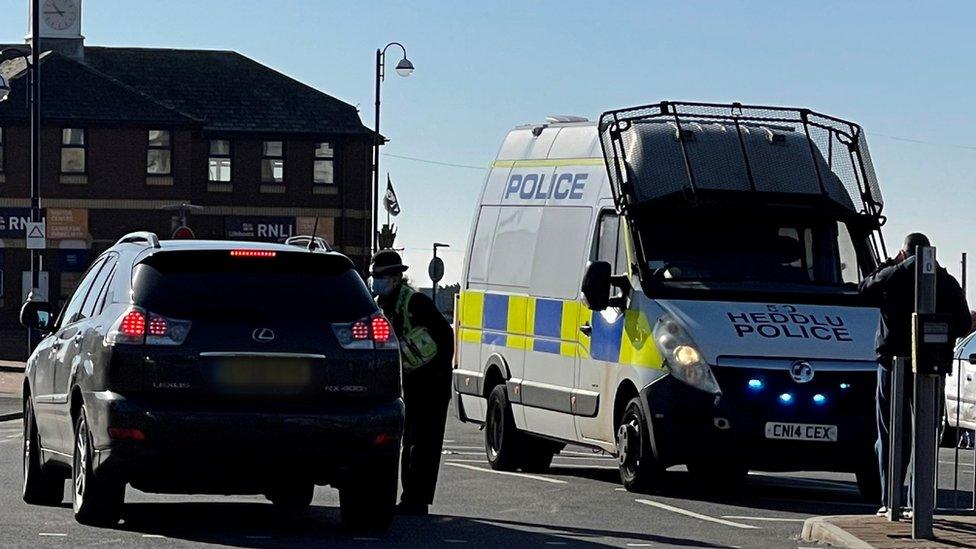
x: 374, y: 332
x: 137, y: 326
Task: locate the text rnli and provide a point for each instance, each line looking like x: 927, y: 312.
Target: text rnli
x: 543, y: 186
x: 791, y: 325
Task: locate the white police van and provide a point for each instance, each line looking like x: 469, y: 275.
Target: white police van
x: 676, y: 284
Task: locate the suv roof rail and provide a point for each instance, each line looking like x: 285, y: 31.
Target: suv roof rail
x: 149, y: 238
x: 309, y: 242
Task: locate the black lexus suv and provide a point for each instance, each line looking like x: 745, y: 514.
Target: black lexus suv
x: 214, y: 367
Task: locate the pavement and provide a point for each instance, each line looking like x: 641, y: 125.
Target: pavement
x: 11, y: 383
x: 860, y: 532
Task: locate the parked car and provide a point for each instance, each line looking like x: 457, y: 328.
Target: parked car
x: 960, y: 392
x: 214, y: 367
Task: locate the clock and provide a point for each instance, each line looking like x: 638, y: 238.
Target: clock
x: 59, y: 14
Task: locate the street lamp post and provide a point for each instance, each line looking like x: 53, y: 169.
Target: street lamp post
x: 32, y: 56
x: 403, y: 68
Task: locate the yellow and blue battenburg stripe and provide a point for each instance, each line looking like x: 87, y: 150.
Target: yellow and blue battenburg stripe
x: 552, y: 326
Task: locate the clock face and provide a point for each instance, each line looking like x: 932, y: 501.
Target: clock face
x: 59, y: 14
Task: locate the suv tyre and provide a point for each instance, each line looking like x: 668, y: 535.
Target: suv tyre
x: 40, y: 487
x: 96, y: 501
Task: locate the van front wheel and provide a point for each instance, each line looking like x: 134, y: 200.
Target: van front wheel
x: 639, y: 471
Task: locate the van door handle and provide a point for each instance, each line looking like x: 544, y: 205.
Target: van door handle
x: 78, y: 337
x: 586, y: 329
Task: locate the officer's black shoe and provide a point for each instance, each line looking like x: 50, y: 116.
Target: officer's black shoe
x: 412, y: 509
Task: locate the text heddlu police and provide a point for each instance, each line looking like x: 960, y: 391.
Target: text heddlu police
x: 796, y: 325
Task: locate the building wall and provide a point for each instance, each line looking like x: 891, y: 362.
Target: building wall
x: 118, y: 197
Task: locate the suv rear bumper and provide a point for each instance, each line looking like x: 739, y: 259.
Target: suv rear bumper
x: 238, y: 450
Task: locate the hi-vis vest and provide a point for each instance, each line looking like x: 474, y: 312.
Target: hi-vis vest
x: 417, y: 348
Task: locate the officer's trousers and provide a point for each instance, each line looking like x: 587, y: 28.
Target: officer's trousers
x: 883, y: 413
x: 423, y: 439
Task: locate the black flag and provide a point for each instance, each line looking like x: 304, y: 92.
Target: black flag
x: 390, y: 202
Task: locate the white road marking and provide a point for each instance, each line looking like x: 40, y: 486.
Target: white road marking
x: 520, y: 475
x: 452, y: 447
x: 764, y: 519
x: 640, y: 545
x: 699, y: 516
x: 52, y: 535
x: 152, y: 536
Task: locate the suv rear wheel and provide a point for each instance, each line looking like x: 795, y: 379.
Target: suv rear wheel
x: 40, y: 487
x: 97, y: 501
x: 367, y: 500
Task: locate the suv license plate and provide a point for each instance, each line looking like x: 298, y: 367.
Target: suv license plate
x: 801, y: 431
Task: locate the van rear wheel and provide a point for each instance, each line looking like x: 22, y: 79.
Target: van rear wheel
x: 639, y: 471
x: 502, y: 438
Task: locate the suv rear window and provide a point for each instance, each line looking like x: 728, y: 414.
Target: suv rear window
x: 212, y: 284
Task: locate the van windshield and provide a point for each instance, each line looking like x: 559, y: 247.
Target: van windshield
x: 734, y: 246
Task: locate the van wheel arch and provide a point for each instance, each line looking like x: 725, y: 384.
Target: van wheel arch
x: 496, y: 373
x: 625, y: 392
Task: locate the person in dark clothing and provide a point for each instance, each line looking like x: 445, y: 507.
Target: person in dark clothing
x: 891, y: 288
x: 427, y: 348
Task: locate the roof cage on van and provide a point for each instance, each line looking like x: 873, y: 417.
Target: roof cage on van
x: 676, y: 149
x: 140, y: 237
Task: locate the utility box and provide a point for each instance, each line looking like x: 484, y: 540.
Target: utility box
x: 931, y: 344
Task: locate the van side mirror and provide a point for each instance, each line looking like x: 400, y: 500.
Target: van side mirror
x: 37, y: 315
x: 596, y: 286
x: 972, y: 358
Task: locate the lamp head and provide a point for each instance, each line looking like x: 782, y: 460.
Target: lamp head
x: 4, y: 88
x: 404, y: 67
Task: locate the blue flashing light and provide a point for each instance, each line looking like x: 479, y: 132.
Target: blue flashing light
x: 819, y: 399
x: 755, y: 384
x: 786, y: 398
x: 845, y: 385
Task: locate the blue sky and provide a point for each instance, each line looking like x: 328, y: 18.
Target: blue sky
x: 904, y: 72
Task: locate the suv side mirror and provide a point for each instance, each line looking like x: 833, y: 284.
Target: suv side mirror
x: 596, y: 286
x: 37, y: 315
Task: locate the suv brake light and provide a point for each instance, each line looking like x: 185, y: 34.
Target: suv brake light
x: 374, y: 332
x: 137, y: 326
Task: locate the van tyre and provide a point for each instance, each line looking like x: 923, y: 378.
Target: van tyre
x: 97, y: 501
x: 40, y: 487
x: 367, y: 502
x: 502, y: 438
x: 537, y: 454
x: 639, y: 471
x: 292, y: 496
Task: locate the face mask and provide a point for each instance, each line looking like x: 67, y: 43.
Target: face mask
x: 382, y: 286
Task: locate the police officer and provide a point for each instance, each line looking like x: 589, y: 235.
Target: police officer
x: 427, y: 347
x: 892, y: 289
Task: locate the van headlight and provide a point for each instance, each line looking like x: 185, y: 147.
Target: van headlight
x: 681, y: 355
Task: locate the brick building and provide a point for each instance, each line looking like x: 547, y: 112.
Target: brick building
x: 129, y: 133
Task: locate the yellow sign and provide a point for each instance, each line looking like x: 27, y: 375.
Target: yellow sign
x: 67, y: 224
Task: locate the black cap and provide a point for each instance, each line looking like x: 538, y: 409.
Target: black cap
x: 387, y: 262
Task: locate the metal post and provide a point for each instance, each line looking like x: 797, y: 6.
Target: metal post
x: 926, y: 388
x: 896, y: 434
x: 33, y: 75
x: 376, y: 150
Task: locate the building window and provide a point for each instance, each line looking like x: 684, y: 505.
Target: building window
x: 73, y: 145
x: 324, y: 172
x: 219, y: 161
x: 273, y: 162
x: 159, y: 155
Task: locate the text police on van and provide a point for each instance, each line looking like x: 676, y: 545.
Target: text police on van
x: 560, y: 186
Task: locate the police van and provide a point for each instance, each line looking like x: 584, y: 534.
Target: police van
x: 675, y: 284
